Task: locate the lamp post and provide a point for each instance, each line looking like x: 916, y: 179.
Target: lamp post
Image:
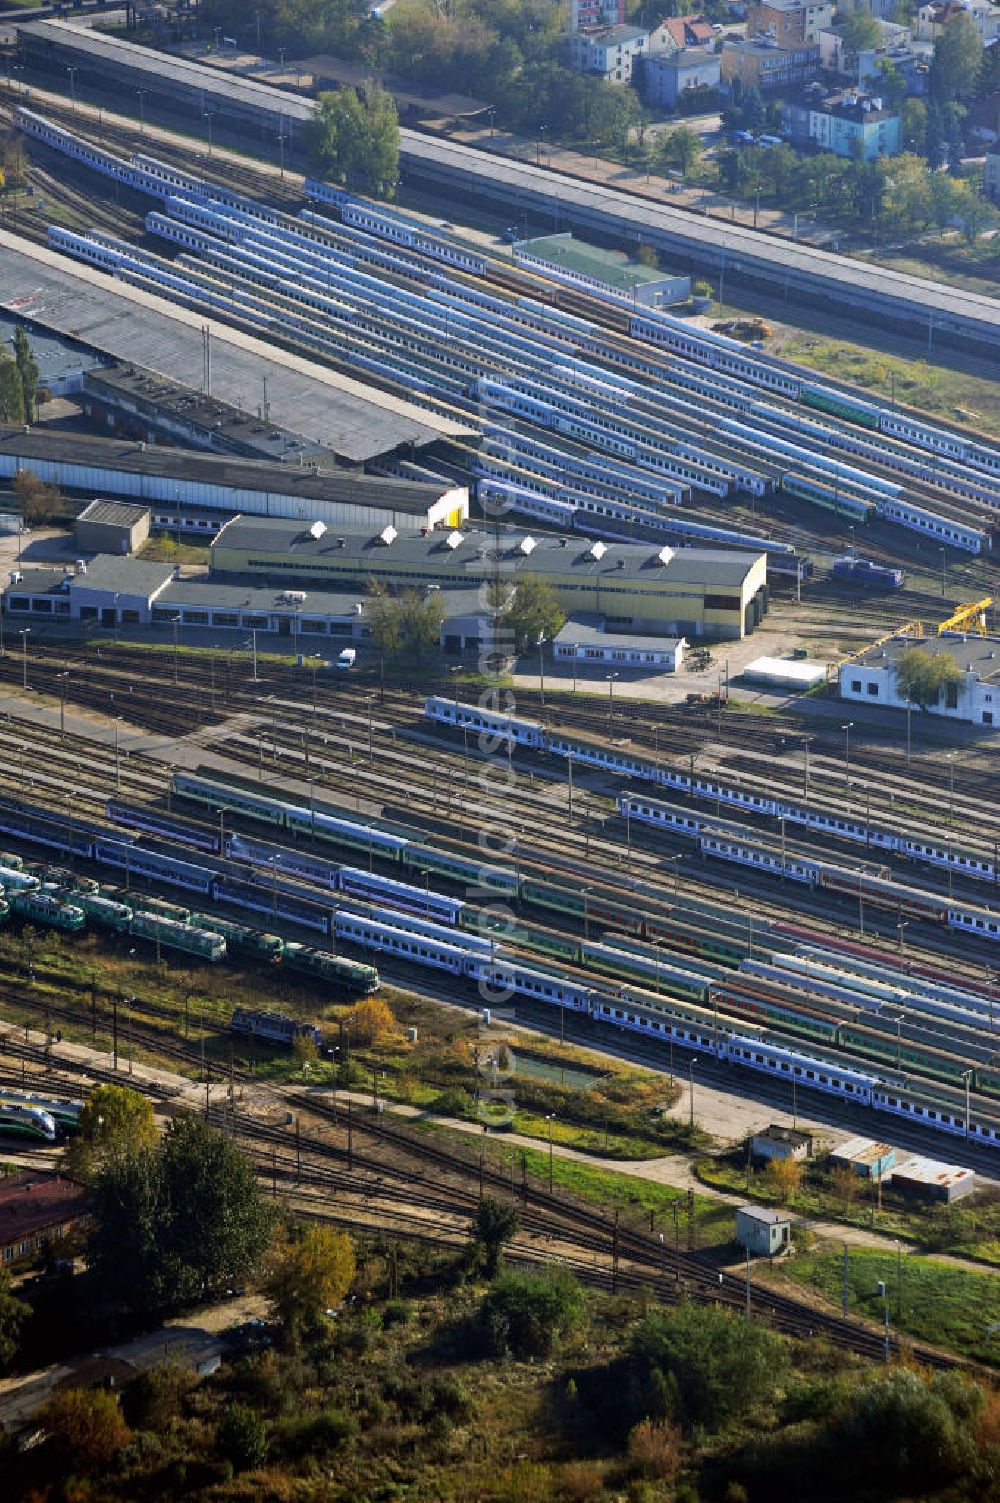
x: 72, y: 86
x: 885, y: 1300
x: 691, y: 1085
x: 847, y: 752
x: 967, y: 1078
x: 142, y: 109
x: 25, y: 632
x: 611, y: 699
x: 541, y: 665
x: 944, y: 571
x: 62, y: 703
x: 548, y: 1119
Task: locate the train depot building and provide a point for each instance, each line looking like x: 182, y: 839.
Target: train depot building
x: 634, y: 587
x: 973, y: 697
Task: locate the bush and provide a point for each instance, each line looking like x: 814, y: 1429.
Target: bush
x: 86, y: 1426
x: 524, y: 1314
x: 242, y: 1438
x: 705, y: 1365
x: 450, y: 1396
x: 654, y: 1450
x: 318, y: 1434
x: 397, y: 1312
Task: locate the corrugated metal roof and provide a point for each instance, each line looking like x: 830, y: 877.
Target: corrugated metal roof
x: 385, y: 492
x: 358, y: 421
x: 925, y: 1171
x: 113, y: 513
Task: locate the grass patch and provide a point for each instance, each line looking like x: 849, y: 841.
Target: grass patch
x: 713, y: 1221
x: 915, y: 383
x: 970, y: 1229
x: 933, y: 1302
x: 168, y: 550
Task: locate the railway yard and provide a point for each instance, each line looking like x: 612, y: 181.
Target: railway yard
x: 585, y: 415
x: 777, y: 902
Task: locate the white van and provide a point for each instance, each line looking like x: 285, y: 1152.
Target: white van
x: 347, y: 658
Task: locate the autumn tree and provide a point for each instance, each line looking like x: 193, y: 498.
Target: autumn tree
x: 354, y: 139
x: 846, y: 1185
x: 39, y: 502
x: 86, y: 1426
x: 114, y: 1120
x: 783, y: 1178
x: 370, y: 1020
x: 920, y: 676
x: 311, y: 1269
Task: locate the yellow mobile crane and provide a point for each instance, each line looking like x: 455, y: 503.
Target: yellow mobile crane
x: 968, y: 618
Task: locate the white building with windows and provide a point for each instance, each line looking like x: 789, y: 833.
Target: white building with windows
x: 973, y: 697
x: 609, y: 54
x: 584, y: 640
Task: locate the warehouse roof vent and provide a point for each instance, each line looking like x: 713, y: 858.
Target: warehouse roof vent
x: 526, y: 546
x: 596, y: 551
x: 317, y: 530
x: 665, y: 555
x: 387, y: 536
x: 454, y: 540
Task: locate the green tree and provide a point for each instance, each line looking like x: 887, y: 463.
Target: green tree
x: 354, y: 139
x: 86, y: 1427
x: 242, y: 1438
x: 957, y: 60
x: 311, y: 1270
x: 421, y: 618
x: 704, y: 1365
x: 13, y: 1314
x: 178, y: 1222
x: 525, y: 1314
x: 219, y: 1223
x: 913, y: 125
x: 27, y: 367
x: 920, y: 676
x: 493, y: 1226
x: 860, y: 32
x: 534, y: 611
x: 680, y: 148
x: 384, y: 619
x: 11, y: 390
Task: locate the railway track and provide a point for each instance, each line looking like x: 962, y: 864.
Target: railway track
x: 558, y: 1225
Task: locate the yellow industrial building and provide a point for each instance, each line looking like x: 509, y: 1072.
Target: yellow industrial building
x: 691, y: 592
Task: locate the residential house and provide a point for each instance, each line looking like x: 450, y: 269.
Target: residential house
x: 667, y: 78
x: 991, y: 177
x: 595, y: 15
x: 789, y: 23
x: 677, y: 32
x: 882, y: 10
x: 984, y: 119
x: 768, y: 67
x: 850, y: 125
x: 933, y: 18
x: 864, y: 68
x: 38, y: 1209
x: 610, y: 54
